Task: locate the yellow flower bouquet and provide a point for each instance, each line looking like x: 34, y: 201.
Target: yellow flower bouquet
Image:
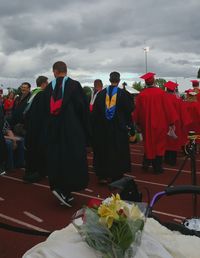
x: 113, y: 227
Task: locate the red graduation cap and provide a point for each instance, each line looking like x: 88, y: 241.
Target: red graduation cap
x: 171, y: 85
x: 148, y: 77
x: 195, y: 83
x: 190, y: 92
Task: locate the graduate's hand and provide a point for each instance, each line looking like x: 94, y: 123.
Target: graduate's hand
x: 171, y: 133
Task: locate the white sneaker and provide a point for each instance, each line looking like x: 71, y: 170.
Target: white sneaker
x: 62, y: 198
x: 2, y: 173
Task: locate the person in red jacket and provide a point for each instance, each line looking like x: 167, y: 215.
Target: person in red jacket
x: 195, y: 85
x: 180, y: 131
x: 154, y: 114
x: 8, y: 104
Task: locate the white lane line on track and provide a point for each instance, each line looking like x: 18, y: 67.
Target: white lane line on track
x: 93, y: 173
x: 88, y: 190
x: 20, y: 180
x: 20, y: 222
x: 32, y: 216
x: 137, y: 180
x: 178, y: 220
x: 2, y: 199
x: 90, y: 196
x: 150, y: 183
x: 165, y: 168
x: 141, y: 181
x: 46, y: 186
x: 13, y: 178
x: 169, y: 214
x: 146, y: 182
x: 172, y: 169
x: 141, y: 153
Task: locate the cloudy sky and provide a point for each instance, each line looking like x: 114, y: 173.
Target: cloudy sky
x: 95, y: 37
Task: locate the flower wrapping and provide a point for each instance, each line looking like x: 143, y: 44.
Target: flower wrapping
x: 113, y: 227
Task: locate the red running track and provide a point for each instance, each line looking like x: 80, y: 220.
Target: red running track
x: 33, y: 206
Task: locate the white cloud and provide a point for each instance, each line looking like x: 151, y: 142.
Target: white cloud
x: 96, y: 37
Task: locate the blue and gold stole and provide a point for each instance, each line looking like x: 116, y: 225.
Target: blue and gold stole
x: 111, y: 102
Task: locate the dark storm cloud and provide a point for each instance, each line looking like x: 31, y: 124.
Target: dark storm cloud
x: 18, y: 7
x: 99, y: 36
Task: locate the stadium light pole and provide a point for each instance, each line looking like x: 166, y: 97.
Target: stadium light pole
x: 146, y: 50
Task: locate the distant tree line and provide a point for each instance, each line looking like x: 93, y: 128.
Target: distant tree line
x: 139, y: 85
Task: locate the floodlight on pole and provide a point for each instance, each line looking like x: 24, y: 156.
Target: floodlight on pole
x: 146, y: 50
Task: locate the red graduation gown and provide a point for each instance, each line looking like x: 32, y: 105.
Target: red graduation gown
x: 153, y: 114
x: 181, y: 124
x: 194, y: 112
x: 198, y: 97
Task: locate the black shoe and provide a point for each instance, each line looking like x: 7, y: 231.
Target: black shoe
x: 146, y: 163
x: 61, y: 197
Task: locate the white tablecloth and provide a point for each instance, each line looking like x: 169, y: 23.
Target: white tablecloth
x: 157, y: 242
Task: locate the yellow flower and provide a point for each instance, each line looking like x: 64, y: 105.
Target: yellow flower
x: 107, y: 215
x: 116, y: 197
x: 116, y: 202
x: 105, y: 211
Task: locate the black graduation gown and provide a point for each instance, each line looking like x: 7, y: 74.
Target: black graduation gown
x: 110, y: 137
x: 35, y: 151
x: 3, y: 150
x: 18, y: 109
x: 66, y: 139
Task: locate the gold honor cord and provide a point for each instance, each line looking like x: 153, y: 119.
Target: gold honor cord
x: 194, y: 137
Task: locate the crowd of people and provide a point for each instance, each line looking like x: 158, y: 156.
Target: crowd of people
x: 49, y: 130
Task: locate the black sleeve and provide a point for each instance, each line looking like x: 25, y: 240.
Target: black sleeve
x: 97, y: 107
x: 18, y: 112
x: 3, y: 150
x: 128, y: 101
x: 82, y: 110
x: 126, y: 106
x: 1, y: 118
